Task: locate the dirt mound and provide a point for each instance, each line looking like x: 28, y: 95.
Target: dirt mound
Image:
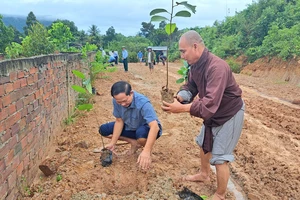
x: 275, y: 69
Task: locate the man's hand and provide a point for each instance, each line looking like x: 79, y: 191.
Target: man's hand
x: 110, y: 146
x: 175, y: 107
x: 144, y: 160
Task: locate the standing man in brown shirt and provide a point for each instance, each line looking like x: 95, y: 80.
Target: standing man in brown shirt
x: 219, y: 104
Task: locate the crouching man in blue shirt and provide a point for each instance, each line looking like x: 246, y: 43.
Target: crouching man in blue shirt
x: 136, y: 122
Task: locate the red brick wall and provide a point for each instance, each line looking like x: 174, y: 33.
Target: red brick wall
x: 35, y: 97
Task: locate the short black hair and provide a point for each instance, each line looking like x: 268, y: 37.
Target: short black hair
x: 120, y: 87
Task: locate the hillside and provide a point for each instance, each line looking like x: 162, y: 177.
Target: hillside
x: 20, y: 21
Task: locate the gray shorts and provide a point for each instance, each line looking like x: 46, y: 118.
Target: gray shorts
x: 225, y: 138
x: 150, y: 65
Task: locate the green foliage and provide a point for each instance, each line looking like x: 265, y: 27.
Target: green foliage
x: 284, y: 43
x: 183, y: 71
x: 69, y: 120
x: 235, y: 67
x: 6, y: 35
x: 265, y: 28
x: 58, y: 177
x: 14, y: 50
x: 37, y: 42
x: 87, y: 48
x: 60, y: 36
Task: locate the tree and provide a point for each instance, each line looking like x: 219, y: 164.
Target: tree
x: 6, y: 35
x: 70, y: 24
x: 60, y: 36
x: 94, y: 37
x: 110, y: 36
x: 31, y: 19
x: 17, y: 35
x: 147, y: 29
x: 37, y: 41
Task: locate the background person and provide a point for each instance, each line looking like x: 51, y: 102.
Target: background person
x: 125, y: 58
x: 140, y: 56
x: 150, y: 59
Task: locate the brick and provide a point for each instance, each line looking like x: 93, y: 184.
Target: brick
x: 16, y: 95
x: 23, y: 82
x: 9, y: 87
x: 3, y: 190
x: 19, y: 104
x: 21, y: 74
x: 18, y: 148
x: 12, y: 179
x: 15, y: 129
x: 2, y: 166
x: 35, y: 104
x: 30, y: 80
x: 12, y: 109
x: 20, y: 169
x: 25, y: 91
x: 26, y: 161
x: 37, y: 94
x: 6, y: 100
x: 5, y: 136
x: 3, y: 113
x: 30, y: 136
x: 13, y: 76
x: 9, y: 157
x: 17, y: 84
x: 1, y: 90
x: 41, y: 83
x: 28, y: 99
x: 33, y: 70
x: 2, y: 126
x: 4, y: 79
x: 30, y: 108
x: 24, y: 142
x: 11, y: 120
x: 13, y: 194
x: 23, y: 112
x: 22, y: 123
x: 4, y: 150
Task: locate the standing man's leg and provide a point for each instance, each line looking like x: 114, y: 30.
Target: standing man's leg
x: 126, y: 64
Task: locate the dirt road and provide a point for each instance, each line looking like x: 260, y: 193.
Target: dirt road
x: 267, y: 156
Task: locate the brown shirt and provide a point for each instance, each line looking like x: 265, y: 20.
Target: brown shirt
x: 219, y: 95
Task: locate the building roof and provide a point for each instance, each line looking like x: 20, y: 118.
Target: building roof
x: 158, y: 48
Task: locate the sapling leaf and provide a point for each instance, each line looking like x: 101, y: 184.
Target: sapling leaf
x: 183, y: 13
x: 180, y: 80
x: 78, y: 74
x: 89, y: 87
x: 78, y: 88
x: 188, y: 6
x: 158, y: 10
x: 87, y: 107
x: 158, y: 18
x: 170, y: 28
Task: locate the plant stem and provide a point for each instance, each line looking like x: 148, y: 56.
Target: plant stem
x: 170, y: 38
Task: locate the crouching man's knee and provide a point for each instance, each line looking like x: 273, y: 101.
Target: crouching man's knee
x: 103, y: 130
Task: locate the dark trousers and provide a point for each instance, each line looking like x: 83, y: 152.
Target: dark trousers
x: 125, y: 63
x: 116, y: 60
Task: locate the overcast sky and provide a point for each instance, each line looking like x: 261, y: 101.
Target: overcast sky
x: 125, y: 16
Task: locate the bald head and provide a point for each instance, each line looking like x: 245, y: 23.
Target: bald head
x: 192, y: 37
x: 191, y: 46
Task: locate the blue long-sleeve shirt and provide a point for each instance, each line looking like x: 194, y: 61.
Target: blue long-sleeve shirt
x: 124, y: 54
